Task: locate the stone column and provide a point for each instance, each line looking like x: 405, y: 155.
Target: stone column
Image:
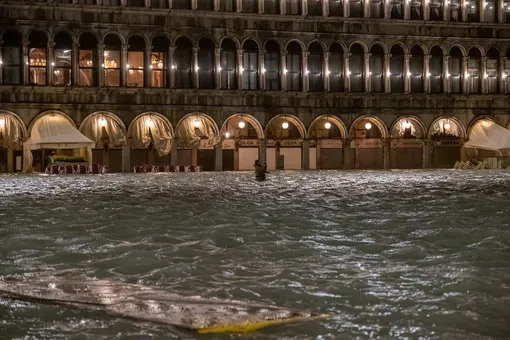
x: 126, y: 156
x: 262, y: 150
x: 481, y: 11
x: 218, y: 166
x: 239, y: 5
x: 147, y: 70
x: 10, y: 160
x: 25, y: 68
x: 305, y: 159
x: 446, y: 10
x: 365, y: 4
x: 501, y: 16
x: 428, y: 154
x: 325, y: 8
x: 387, y: 9
x: 218, y: 67
x: 194, y: 5
x: 407, y: 10
x: 305, y: 72
x: 426, y: 71
x: 240, y: 69
x: 425, y: 7
x: 284, y: 70
x: 463, y: 10
x: 123, y: 64
x: 262, y: 70
x: 347, y: 78
x: 386, y: 153
x: 368, y: 82
x: 387, y: 74
x: 446, y: 74
x: 502, y: 75
x: 347, y: 12
x: 75, y: 64
x: 148, y: 3
x: 171, y: 67
x: 483, y: 75
x: 465, y: 75
x: 304, y: 8
x: 50, y: 63
x: 173, y: 154
x: 261, y: 6
x: 282, y: 8
x: 325, y: 70
x: 407, y: 71
x: 217, y: 6
x: 195, y: 67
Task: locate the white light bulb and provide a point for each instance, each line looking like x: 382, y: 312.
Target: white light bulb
x: 196, y: 123
x: 150, y: 123
x: 242, y: 124
x: 127, y: 65
x: 368, y: 126
x: 263, y: 70
x: 407, y: 125
x: 327, y: 125
x: 285, y: 125
x: 447, y: 126
x: 2, y: 122
x: 101, y: 122
x: 227, y: 134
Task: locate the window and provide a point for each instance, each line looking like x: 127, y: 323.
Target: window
x: 135, y: 62
x: 11, y: 58
x: 416, y: 65
x: 63, y: 59
x: 377, y: 8
x: 356, y: 69
x: 455, y: 69
x: 436, y: 10
x: 492, y: 75
x: 159, y: 61
x: 183, y: 63
x: 436, y: 70
x: 228, y: 65
x: 336, y: 68
x: 206, y: 68
x: 416, y: 10
x: 250, y: 6
x: 506, y: 10
x: 37, y: 61
x: 111, y: 2
x: 507, y: 72
x: 472, y: 7
x: 491, y: 10
x: 377, y: 69
x: 336, y: 8
x: 87, y: 60
x: 356, y: 8
x: 181, y: 4
x: 293, y: 7
x: 228, y: 5
x: 205, y: 5
x: 112, y: 61
x: 397, y: 9
x: 315, y: 68
x: 136, y: 3
x: 87, y: 2
x: 455, y: 13
x: 397, y: 70
x: 315, y: 7
x: 250, y: 66
x: 294, y: 66
x: 272, y: 66
x: 474, y: 63
x: 159, y: 3
x: 271, y: 6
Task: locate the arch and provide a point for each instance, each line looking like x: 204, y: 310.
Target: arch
x: 297, y: 41
x: 273, y: 41
x: 359, y: 43
x: 438, y: 46
x: 493, y: 52
x: 105, y: 113
x: 377, y: 49
x: 48, y: 112
x: 140, y: 35
x: 255, y: 40
x: 193, y: 42
x: 231, y: 38
x: 199, y: 114
x: 319, y: 42
x: 15, y: 29
x: 480, y: 49
x: 316, y: 46
x: 95, y: 34
x: 251, y: 45
x: 336, y: 47
x: 415, y: 123
x: 394, y: 48
x: 291, y: 118
x: 480, y: 119
x: 150, y: 113
x: 65, y: 31
x: 116, y: 34
x: 159, y: 36
x: 373, y: 119
x: 459, y: 47
x: 228, y: 43
x: 460, y: 126
x: 333, y: 119
x: 205, y: 38
x: 381, y: 45
x: 247, y: 117
x: 415, y: 47
x: 21, y: 124
x: 34, y: 30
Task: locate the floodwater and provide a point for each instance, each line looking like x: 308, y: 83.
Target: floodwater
x: 387, y: 254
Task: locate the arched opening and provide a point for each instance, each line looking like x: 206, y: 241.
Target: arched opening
x: 228, y: 6
x: 109, y: 134
x: 328, y: 133
x: 63, y: 59
x: 228, y: 65
x: 416, y: 10
x: 293, y: 7
x: 250, y: 6
x: 205, y: 5
x: 356, y: 8
x: 491, y: 11
x: 455, y: 68
x: 407, y: 145
x: 314, y: 7
x: 152, y: 139
x: 473, y: 10
x: 241, y: 139
x: 12, y: 58
x: 88, y: 60
x: 135, y: 62
x: 336, y: 68
x: 336, y: 8
x: 436, y: 70
x: 272, y: 66
x: 206, y: 64
x: 356, y: 69
x: 181, y: 4
x: 159, y: 61
x: 294, y: 67
x: 455, y: 10
x: 397, y: 69
x: 493, y: 66
x: 11, y: 137
x: 416, y: 69
x: 250, y: 65
x: 447, y: 135
x: 272, y: 6
x: 183, y: 63
x: 38, y: 58
x: 474, y: 67
x: 377, y: 69
x: 377, y: 9
x: 316, y: 67
x: 367, y: 134
x: 436, y: 10
x: 197, y: 135
x: 397, y: 9
x: 285, y: 136
x: 487, y: 140
x: 112, y: 60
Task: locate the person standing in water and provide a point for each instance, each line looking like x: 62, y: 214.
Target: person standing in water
x: 260, y: 170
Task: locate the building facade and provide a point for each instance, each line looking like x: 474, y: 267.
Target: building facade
x: 301, y: 84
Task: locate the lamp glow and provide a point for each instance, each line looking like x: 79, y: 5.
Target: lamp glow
x: 2, y: 122
x: 150, y: 123
x: 101, y: 122
x: 227, y: 134
x: 241, y: 124
x: 196, y: 123
x: 285, y: 125
x: 447, y: 126
x: 327, y: 125
x: 368, y: 126
x: 407, y: 124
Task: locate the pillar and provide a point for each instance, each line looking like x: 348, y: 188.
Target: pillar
x: 305, y: 71
x: 446, y: 74
x: 425, y: 9
x: 126, y: 157
x: 1, y: 72
x: 463, y: 10
x: 194, y: 5
x: 407, y: 71
x: 386, y: 153
x: 195, y: 68
x: 387, y: 74
x: 346, y: 9
x: 194, y: 156
x: 304, y: 8
x: 217, y: 6
x: 325, y: 8
x: 261, y: 70
x: 407, y: 10
x: 426, y: 70
x: 387, y: 9
x: 446, y: 10
x: 171, y: 67
x: 428, y: 154
x: 24, y: 69
x: 217, y: 56
x: 367, y: 72
x: 483, y: 75
x: 50, y: 63
x: 348, y: 153
x: 100, y: 65
x: 10, y: 160
x: 502, y: 75
x: 347, y: 78
x: 365, y: 4
x: 123, y: 68
x: 173, y: 154
x: 465, y: 74
x: 262, y: 150
x: 284, y: 70
x: 305, y: 158
x: 147, y: 70
x: 282, y: 8
x: 218, y: 166
x: 501, y: 11
x: 481, y: 11
x: 326, y: 71
x: 239, y: 5
x: 240, y: 68
x: 261, y: 6
x: 75, y: 64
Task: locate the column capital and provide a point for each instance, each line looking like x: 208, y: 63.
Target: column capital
x: 387, y: 56
x: 484, y: 60
x: 327, y: 55
x: 305, y: 54
x: 262, y: 52
x: 427, y: 56
x: 195, y: 50
x: 503, y: 59
x: 465, y: 59
x: 25, y: 43
x: 284, y: 53
x: 408, y: 57
x: 446, y: 58
x: 51, y: 44
x: 172, y: 49
x: 347, y: 55
x: 125, y: 47
x: 217, y: 50
x: 75, y: 45
x: 368, y: 55
x: 240, y: 52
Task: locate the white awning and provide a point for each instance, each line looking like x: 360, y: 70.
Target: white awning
x: 56, y: 132
x: 489, y: 136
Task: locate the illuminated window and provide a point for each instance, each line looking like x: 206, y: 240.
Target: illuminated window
x: 135, y: 62
x: 159, y: 62
x: 228, y: 65
x: 272, y: 66
x: 112, y: 61
x: 87, y: 62
x: 37, y: 58
x: 11, y: 58
x: 250, y: 65
x: 63, y: 59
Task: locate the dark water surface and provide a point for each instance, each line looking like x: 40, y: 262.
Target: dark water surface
x: 401, y: 254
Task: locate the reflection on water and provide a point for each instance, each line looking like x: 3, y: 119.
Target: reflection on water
x: 388, y: 254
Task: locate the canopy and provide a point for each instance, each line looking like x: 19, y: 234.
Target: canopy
x: 152, y: 129
x: 96, y: 126
x: 10, y: 132
x: 489, y: 136
x: 193, y: 129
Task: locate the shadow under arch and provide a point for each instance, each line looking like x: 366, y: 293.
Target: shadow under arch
x: 457, y: 122
x: 49, y: 112
x: 159, y: 116
x: 291, y: 118
x: 248, y: 118
x: 412, y: 119
x: 332, y: 119
x: 201, y: 115
x: 104, y: 113
x: 372, y: 119
x: 479, y: 120
x: 18, y: 119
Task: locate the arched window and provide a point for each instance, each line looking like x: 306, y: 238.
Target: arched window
x: 136, y: 3
x: 251, y: 6
x: 336, y: 68
x: 11, y: 58
x: 436, y: 70
x: 272, y: 66
x: 474, y: 67
x: 397, y: 9
x: 159, y: 4
x: 88, y: 60
x: 183, y: 63
x: 314, y: 7
x: 492, y: 71
x: 228, y: 5
x: 336, y: 8
x: 473, y: 10
x: 159, y: 61
x: 112, y: 60
x: 377, y: 69
x: 293, y: 7
x: 491, y: 10
x: 377, y: 8
x: 416, y: 10
x: 506, y: 10
x: 416, y: 69
x: 455, y: 10
x: 38, y: 58
x: 228, y: 65
x: 135, y: 62
x: 316, y: 68
x: 294, y: 66
x: 356, y: 68
x: 205, y: 5
x: 436, y: 10
x: 63, y: 59
x: 397, y: 69
x: 206, y: 67
x: 181, y: 4
x: 356, y: 8
x: 250, y: 65
x: 272, y: 6
x: 455, y: 69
